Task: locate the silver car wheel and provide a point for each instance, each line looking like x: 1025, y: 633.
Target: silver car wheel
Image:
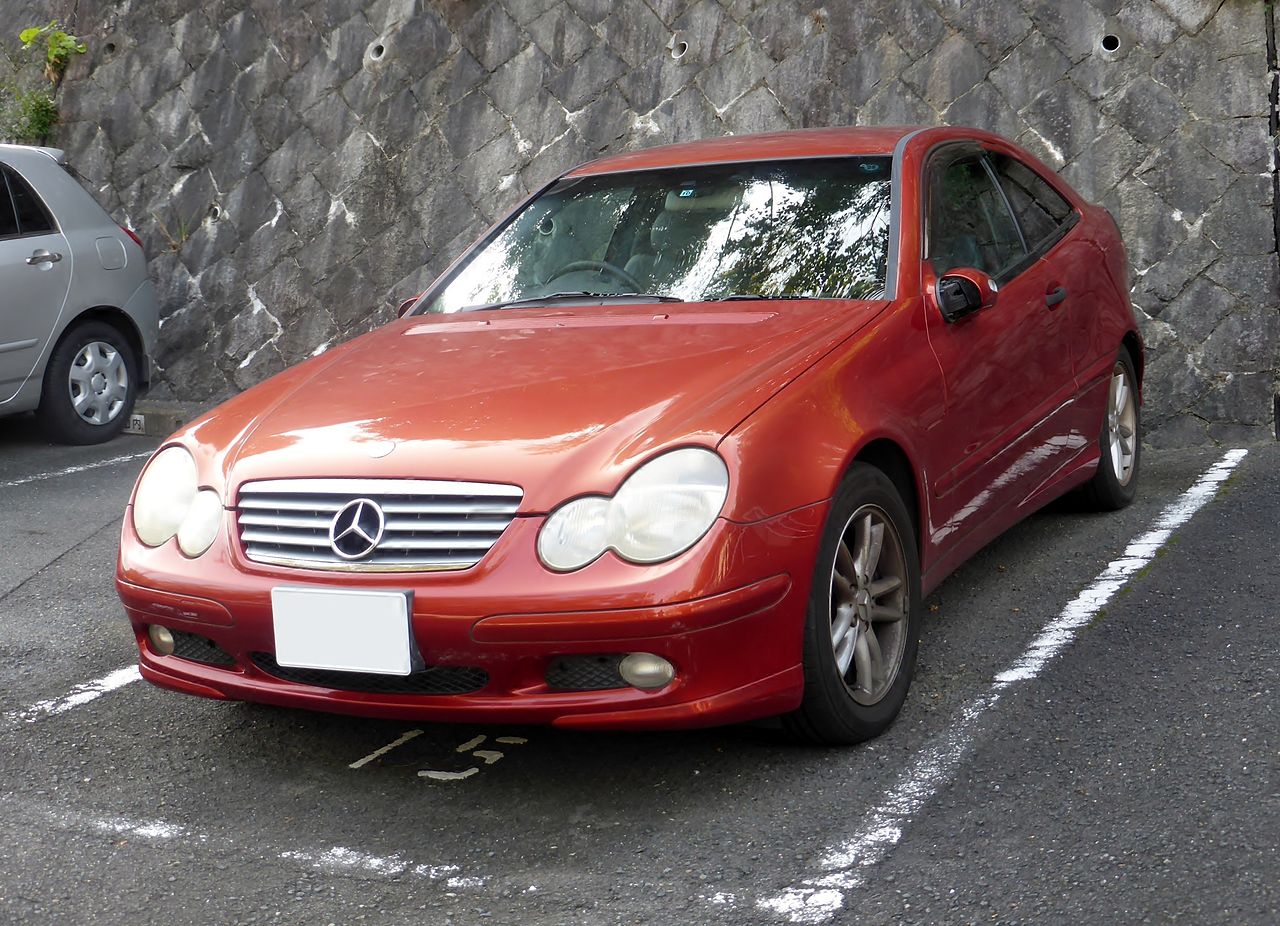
x: 1122, y: 424
x: 98, y: 383
x: 869, y: 605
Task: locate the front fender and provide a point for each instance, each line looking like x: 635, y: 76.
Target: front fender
x: 884, y: 383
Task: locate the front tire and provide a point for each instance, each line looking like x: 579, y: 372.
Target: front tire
x: 90, y: 385
x: 863, y: 621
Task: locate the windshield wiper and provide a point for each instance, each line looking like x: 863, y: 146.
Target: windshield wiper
x: 744, y: 297
x: 550, y: 298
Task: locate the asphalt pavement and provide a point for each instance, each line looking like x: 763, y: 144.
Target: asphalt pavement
x: 1131, y: 778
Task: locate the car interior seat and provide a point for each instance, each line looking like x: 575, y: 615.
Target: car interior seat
x: 680, y: 230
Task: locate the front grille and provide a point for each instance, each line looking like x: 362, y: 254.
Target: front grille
x: 585, y: 673
x: 435, y: 680
x: 430, y: 525
x: 199, y: 649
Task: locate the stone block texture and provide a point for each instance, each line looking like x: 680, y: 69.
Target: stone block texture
x: 296, y: 169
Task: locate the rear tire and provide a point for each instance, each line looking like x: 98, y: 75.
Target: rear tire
x: 1115, y: 484
x: 90, y: 385
x: 863, y: 621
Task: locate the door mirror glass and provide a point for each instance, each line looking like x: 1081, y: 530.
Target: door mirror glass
x: 963, y: 291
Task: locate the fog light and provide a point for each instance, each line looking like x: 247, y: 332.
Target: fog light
x: 161, y: 639
x: 645, y: 670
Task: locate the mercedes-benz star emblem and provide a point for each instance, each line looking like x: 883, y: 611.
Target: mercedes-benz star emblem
x: 357, y: 529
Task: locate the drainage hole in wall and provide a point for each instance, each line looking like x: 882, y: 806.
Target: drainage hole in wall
x: 678, y: 49
x: 109, y: 48
x: 1110, y: 42
x: 377, y: 51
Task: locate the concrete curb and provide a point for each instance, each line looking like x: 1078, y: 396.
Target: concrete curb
x: 157, y: 418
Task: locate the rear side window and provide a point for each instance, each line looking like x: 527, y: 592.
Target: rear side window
x: 8, y: 218
x: 33, y: 218
x: 1041, y: 210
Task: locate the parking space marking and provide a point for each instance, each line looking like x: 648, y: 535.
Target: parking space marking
x: 80, y: 694
x: 377, y: 753
x: 447, y: 776
x: 819, y: 898
x: 472, y: 747
x: 72, y: 470
x: 332, y: 859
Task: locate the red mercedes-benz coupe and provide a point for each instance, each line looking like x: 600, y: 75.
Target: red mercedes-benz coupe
x: 683, y: 440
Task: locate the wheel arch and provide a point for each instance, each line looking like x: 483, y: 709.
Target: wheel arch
x: 888, y: 456
x: 120, y: 320
x: 1132, y: 342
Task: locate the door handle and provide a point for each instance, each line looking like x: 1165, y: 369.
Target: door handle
x: 43, y: 257
x: 1054, y: 296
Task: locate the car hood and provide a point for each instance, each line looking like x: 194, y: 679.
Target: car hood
x: 560, y: 402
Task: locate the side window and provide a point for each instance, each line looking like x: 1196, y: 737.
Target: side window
x: 969, y: 223
x: 1040, y: 209
x: 33, y: 218
x: 8, y: 218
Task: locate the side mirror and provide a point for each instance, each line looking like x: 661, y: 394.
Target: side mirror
x: 963, y: 291
x: 407, y: 305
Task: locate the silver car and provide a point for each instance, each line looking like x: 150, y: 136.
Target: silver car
x: 78, y: 314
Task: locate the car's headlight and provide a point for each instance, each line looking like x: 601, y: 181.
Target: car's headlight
x: 200, y: 527
x: 169, y: 502
x: 661, y: 510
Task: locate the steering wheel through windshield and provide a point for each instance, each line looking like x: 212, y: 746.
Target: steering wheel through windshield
x: 603, y: 266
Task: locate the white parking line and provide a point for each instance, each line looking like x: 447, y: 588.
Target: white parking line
x: 81, y: 694
x: 72, y: 470
x: 818, y: 899
x: 335, y: 858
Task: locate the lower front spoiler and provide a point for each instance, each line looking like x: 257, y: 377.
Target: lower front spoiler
x: 740, y: 667
x: 766, y: 697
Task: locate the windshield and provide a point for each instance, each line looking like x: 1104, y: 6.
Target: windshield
x: 786, y: 229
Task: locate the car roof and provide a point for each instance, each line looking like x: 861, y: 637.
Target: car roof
x: 56, y: 154
x: 768, y: 146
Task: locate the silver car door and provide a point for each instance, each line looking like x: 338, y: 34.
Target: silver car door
x: 35, y: 275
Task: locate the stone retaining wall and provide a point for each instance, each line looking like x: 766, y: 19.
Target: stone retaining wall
x: 298, y: 168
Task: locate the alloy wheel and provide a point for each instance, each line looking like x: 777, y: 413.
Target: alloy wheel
x: 1122, y: 425
x: 869, y: 605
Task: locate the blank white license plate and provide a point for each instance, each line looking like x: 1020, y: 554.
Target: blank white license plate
x: 342, y: 629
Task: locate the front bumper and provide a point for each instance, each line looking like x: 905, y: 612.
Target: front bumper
x: 728, y: 614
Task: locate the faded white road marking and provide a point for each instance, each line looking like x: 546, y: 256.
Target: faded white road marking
x: 334, y: 858
x: 81, y: 694
x: 72, y: 470
x: 1061, y: 631
x: 360, y: 763
x: 340, y: 857
x: 447, y: 776
x: 154, y: 829
x: 818, y: 899
x: 489, y: 756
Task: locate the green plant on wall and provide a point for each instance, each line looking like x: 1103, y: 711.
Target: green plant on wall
x: 28, y: 112
x: 31, y: 115
x: 59, y: 46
